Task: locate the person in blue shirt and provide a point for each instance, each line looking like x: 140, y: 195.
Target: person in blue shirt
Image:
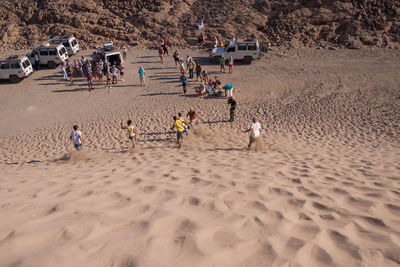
x: 184, y: 82
x: 141, y: 74
x: 228, y: 89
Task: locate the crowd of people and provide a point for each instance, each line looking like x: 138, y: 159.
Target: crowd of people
x: 94, y: 71
x: 188, y: 69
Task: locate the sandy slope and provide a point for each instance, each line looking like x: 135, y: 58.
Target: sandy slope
x: 324, y: 192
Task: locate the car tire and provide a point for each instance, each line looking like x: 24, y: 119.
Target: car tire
x: 247, y: 60
x: 51, y: 65
x: 14, y: 79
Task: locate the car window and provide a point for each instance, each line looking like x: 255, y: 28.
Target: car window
x: 74, y: 42
x: 5, y: 66
x: 44, y: 52
x: 62, y: 51
x: 15, y: 65
x: 26, y: 63
x: 231, y: 49
x: 242, y: 47
x: 252, y: 46
x: 52, y: 52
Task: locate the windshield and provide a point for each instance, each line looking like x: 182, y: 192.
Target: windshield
x: 62, y: 51
x: 73, y: 43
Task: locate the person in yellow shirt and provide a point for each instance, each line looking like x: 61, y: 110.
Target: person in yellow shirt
x: 178, y: 124
x: 131, y: 132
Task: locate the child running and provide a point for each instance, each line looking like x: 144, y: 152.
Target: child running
x: 131, y: 132
x: 178, y: 124
x: 76, y: 137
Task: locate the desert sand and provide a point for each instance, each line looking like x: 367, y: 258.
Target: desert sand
x: 324, y: 191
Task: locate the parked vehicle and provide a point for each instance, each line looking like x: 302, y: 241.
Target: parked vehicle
x: 49, y: 54
x: 69, y: 41
x: 15, y: 68
x: 108, y: 55
x: 247, y: 51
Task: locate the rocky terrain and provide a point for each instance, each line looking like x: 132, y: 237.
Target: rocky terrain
x: 292, y: 23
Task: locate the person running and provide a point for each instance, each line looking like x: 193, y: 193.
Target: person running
x: 198, y: 72
x: 114, y: 72
x: 222, y: 61
x: 228, y: 89
x: 141, y: 75
x: 254, y: 129
x: 192, y: 65
x: 178, y: 124
x: 64, y: 72
x: 230, y: 63
x: 192, y: 114
x: 176, y: 58
x: 161, y: 54
x: 232, y: 103
x: 122, y: 71
x: 131, y: 132
x: 185, y: 122
x: 108, y: 79
x: 184, y: 82
x: 76, y: 137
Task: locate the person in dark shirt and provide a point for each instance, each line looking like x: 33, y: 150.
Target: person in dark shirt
x: 232, y: 103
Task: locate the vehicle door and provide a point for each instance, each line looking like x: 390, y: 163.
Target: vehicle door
x: 43, y: 56
x: 53, y: 56
x: 242, y: 50
x: 4, y: 70
x: 253, y: 50
x: 15, y: 68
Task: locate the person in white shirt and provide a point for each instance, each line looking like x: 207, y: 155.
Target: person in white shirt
x: 254, y: 130
x: 76, y: 137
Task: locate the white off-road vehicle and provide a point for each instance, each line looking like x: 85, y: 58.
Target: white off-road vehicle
x: 109, y: 56
x: 15, y: 68
x: 69, y: 41
x: 246, y: 50
x: 49, y: 54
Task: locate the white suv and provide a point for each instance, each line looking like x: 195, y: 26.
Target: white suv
x: 49, y: 54
x: 247, y: 51
x: 69, y: 41
x: 15, y: 68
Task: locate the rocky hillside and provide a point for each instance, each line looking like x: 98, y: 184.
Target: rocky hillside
x: 294, y: 23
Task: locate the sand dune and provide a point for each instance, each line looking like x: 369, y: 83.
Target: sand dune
x: 323, y: 192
